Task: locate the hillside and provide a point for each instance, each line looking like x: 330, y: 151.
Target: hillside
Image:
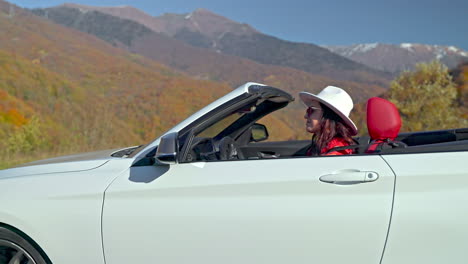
x: 200, y: 20
x: 204, y: 29
x: 199, y: 62
x: 203, y: 63
x: 307, y: 57
x: 64, y: 91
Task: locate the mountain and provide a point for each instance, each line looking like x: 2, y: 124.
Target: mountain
x: 207, y: 64
x: 200, y: 20
x: 64, y: 91
x: 397, y: 58
x: 199, y: 62
x: 204, y: 29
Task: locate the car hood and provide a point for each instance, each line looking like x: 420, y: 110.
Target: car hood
x: 77, y: 162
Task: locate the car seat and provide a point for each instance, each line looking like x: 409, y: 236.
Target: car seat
x: 383, y: 125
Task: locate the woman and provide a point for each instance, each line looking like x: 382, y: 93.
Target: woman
x: 328, y: 119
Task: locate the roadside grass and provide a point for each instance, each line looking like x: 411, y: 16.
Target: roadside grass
x: 9, y: 162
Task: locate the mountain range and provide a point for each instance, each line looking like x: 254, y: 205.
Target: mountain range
x: 204, y: 63
x: 215, y: 34
x: 397, y: 58
x: 77, y: 78
x: 65, y: 91
x: 377, y: 63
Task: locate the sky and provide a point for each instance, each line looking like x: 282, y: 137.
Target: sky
x: 324, y: 22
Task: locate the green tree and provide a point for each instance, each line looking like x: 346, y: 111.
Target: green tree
x: 26, y: 139
x: 426, y: 98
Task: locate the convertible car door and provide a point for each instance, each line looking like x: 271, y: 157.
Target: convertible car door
x: 430, y: 216
x: 299, y: 210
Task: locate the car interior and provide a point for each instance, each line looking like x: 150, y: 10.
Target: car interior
x: 243, y: 139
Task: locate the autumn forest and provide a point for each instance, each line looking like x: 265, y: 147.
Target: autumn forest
x: 63, y: 91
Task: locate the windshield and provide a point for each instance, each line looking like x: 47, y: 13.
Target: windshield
x: 217, y: 127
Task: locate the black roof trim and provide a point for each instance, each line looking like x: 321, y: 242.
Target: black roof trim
x: 430, y: 148
x: 266, y: 92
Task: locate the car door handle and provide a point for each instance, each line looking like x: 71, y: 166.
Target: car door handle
x: 350, y: 177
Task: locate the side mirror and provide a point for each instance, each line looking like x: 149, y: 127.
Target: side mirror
x: 167, y: 149
x: 259, y: 132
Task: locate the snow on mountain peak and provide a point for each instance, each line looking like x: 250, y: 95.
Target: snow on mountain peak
x: 453, y: 49
x: 367, y: 47
x: 360, y: 48
x: 440, y: 54
x: 407, y: 46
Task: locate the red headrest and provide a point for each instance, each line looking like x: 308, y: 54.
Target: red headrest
x: 383, y: 119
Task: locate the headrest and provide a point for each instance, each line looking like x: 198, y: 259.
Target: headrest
x: 383, y: 119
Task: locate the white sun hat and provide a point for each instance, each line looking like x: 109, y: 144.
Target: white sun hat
x: 337, y: 100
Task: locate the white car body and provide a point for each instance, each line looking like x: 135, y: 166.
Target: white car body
x: 96, y: 208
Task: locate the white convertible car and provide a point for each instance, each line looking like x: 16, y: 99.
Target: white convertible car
x: 211, y: 190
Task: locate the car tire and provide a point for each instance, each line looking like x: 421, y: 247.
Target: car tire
x: 13, y: 246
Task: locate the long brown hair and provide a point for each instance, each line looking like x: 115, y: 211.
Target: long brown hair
x: 331, y: 126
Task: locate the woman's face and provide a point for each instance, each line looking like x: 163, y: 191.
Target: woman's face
x: 313, y: 116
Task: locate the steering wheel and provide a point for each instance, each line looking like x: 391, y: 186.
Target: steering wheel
x: 228, y: 149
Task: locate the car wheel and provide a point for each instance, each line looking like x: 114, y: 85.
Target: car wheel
x: 14, y: 249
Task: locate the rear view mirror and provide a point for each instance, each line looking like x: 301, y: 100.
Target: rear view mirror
x: 167, y: 149
x: 259, y: 132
